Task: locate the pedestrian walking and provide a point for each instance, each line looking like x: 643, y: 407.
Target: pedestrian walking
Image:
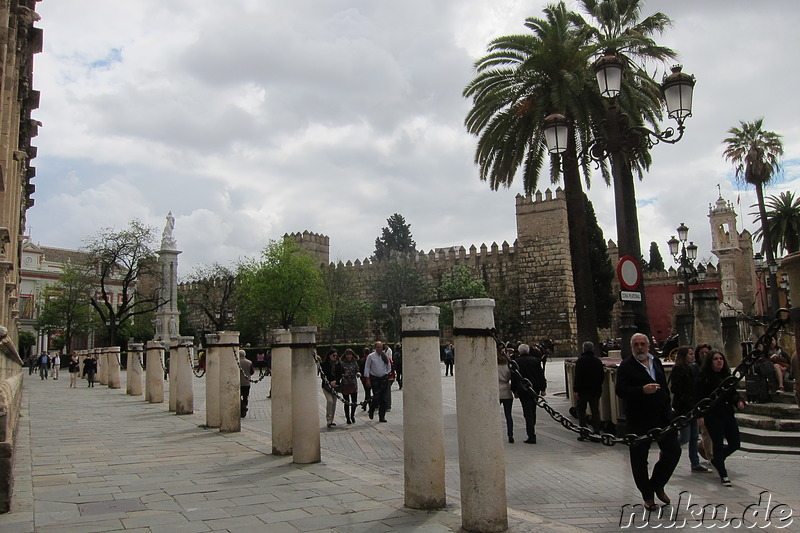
x: 44, y: 364
x: 331, y: 375
x: 720, y: 420
x: 74, y: 367
x: 56, y: 365
x: 377, y: 370
x: 641, y: 382
x: 245, y: 371
x: 89, y: 369
x: 529, y: 365
x: 683, y: 383
x: 348, y: 384
x: 449, y: 359
x: 588, y: 386
x: 506, y: 396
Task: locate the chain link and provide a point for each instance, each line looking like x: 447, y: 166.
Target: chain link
x: 261, y: 372
x: 698, y: 411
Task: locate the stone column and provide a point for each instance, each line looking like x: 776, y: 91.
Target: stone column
x: 305, y: 397
x: 134, y: 380
x: 707, y: 322
x: 170, y: 355
x: 114, y: 378
x: 480, y: 438
x: 281, y: 393
x: 422, y: 409
x: 102, y: 365
x: 212, y: 381
x: 181, y: 361
x: 154, y: 380
x: 791, y: 265
x: 230, y: 403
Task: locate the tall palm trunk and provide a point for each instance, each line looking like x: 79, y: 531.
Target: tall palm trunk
x: 585, y: 311
x: 767, y: 249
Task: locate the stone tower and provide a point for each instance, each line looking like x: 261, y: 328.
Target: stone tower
x: 168, y: 316
x: 735, y: 253
x: 544, y: 270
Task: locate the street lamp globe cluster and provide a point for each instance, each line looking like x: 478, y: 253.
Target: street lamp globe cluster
x: 685, y: 256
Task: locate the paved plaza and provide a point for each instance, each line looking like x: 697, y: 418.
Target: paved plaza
x: 99, y: 460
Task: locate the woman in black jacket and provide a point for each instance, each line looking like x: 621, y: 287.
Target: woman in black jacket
x: 332, y: 374
x: 719, y: 421
x: 682, y: 385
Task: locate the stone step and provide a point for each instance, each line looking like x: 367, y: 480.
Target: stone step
x: 761, y: 448
x: 770, y: 438
x: 767, y: 422
x: 774, y: 410
x: 775, y: 397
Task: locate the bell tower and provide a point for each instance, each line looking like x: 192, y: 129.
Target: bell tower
x: 725, y: 244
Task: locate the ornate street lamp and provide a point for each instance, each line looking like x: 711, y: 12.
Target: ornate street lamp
x: 622, y: 137
x: 685, y: 256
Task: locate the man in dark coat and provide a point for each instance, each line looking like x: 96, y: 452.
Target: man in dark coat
x: 588, y: 386
x: 641, y: 382
x: 530, y: 367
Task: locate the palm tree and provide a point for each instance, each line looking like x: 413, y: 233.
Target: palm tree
x: 756, y: 155
x: 523, y: 79
x: 618, y: 27
x: 783, y: 222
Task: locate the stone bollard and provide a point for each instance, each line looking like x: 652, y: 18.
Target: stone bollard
x: 182, y: 362
x: 230, y: 391
x: 169, y: 359
x: 281, y: 393
x: 422, y: 409
x: 305, y: 397
x: 114, y: 378
x: 480, y: 437
x: 212, y: 381
x: 102, y: 366
x: 154, y: 373
x: 134, y: 375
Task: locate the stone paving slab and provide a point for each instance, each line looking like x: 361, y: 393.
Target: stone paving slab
x: 121, y: 464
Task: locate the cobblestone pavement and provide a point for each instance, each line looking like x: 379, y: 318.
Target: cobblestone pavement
x: 99, y: 460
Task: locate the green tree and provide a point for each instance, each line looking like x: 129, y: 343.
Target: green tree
x: 282, y: 288
x: 459, y: 283
x: 602, y: 269
x: 399, y: 284
x: 522, y: 80
x: 783, y: 222
x: 395, y: 239
x: 656, y: 263
x: 27, y: 341
x: 210, y: 295
x: 121, y: 263
x: 347, y: 316
x: 756, y: 154
x: 66, y: 306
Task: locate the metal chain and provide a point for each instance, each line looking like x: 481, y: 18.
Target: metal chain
x: 699, y: 410
x: 261, y: 372
x: 326, y: 384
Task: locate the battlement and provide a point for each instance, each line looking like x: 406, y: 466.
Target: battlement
x: 316, y: 244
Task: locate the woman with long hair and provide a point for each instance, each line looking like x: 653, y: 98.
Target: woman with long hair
x: 720, y: 420
x: 682, y: 385
x: 506, y: 397
x: 348, y: 385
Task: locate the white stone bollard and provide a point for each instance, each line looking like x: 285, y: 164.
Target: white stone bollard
x: 281, y: 381
x: 422, y: 409
x: 154, y: 373
x: 212, y: 381
x: 102, y: 366
x: 184, y: 397
x: 170, y: 355
x: 481, y: 457
x: 230, y: 403
x: 134, y: 372
x: 305, y: 397
x: 114, y: 378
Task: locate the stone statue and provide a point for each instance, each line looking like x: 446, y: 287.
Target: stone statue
x: 173, y: 327
x: 167, y: 238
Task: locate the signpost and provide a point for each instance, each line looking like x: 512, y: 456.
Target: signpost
x: 630, y: 277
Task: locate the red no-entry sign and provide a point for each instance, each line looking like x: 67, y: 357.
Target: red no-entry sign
x: 629, y: 273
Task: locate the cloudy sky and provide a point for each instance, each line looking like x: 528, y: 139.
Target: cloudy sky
x: 249, y: 119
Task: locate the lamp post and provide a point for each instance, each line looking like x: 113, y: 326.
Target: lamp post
x: 685, y: 255
x: 621, y: 141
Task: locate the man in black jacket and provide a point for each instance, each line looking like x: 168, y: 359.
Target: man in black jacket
x: 530, y: 368
x: 588, y: 386
x: 641, y: 382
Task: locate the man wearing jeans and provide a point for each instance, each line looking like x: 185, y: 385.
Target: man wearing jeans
x: 377, y: 370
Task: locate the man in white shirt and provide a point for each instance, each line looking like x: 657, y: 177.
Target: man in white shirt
x: 377, y: 369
